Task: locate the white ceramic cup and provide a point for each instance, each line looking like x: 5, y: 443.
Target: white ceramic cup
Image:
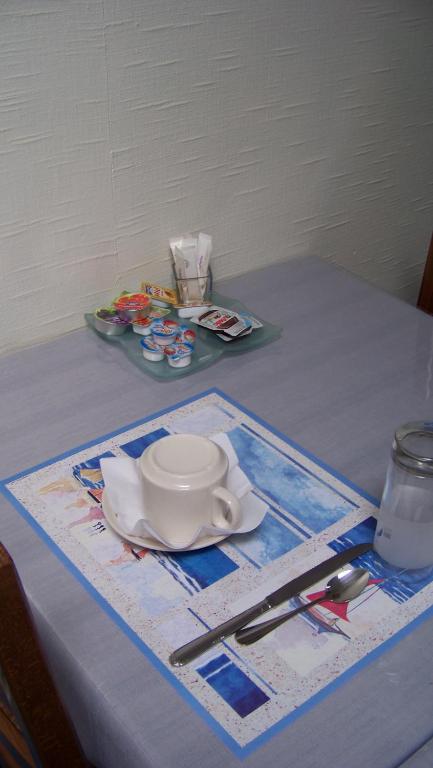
x: 185, y: 488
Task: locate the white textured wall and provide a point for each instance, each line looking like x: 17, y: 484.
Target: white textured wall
x: 279, y: 127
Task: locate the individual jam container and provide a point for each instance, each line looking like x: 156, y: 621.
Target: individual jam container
x: 142, y: 326
x: 109, y: 322
x: 158, y: 312
x: 164, y: 332
x: 179, y: 354
x: 133, y: 305
x: 186, y: 334
x: 151, y: 351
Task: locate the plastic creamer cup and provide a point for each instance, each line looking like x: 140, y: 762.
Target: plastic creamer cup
x: 164, y: 332
x: 186, y: 334
x: 151, y: 351
x: 142, y: 326
x: 179, y: 355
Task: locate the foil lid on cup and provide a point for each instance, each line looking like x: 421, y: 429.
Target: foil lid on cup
x: 142, y: 325
x: 179, y: 354
x: 186, y: 334
x: 110, y: 315
x: 151, y: 350
x: 158, y: 312
x: 164, y: 331
x: 132, y: 301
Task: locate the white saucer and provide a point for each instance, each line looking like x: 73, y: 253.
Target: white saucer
x: 148, y: 542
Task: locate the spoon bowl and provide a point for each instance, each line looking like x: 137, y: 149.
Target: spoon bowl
x: 343, y: 587
x: 346, y: 585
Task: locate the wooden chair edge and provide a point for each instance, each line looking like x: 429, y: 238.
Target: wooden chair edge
x: 425, y: 296
x: 28, y: 677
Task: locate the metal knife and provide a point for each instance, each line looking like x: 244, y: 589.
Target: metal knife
x: 194, y: 648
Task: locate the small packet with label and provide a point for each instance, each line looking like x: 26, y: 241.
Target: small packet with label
x: 249, y: 318
x: 222, y: 320
x: 161, y: 297
x: 242, y: 335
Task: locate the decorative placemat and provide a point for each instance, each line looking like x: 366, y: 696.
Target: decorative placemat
x: 208, y: 348
x: 161, y: 600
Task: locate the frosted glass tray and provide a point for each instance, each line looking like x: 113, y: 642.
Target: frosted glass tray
x: 208, y: 348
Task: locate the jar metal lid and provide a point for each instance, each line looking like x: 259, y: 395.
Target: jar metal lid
x: 412, y: 447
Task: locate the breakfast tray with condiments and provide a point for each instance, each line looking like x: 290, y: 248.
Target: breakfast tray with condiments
x: 208, y: 347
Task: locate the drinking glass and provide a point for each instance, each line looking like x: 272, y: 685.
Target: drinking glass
x: 404, y: 532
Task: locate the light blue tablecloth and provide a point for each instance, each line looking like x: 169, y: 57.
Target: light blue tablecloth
x: 351, y: 365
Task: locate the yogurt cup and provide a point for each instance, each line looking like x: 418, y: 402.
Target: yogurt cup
x: 151, y: 351
x: 164, y: 332
x: 179, y: 354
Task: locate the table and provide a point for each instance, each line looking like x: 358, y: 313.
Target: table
x: 352, y: 363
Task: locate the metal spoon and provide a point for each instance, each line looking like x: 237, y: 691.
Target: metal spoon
x: 345, y: 586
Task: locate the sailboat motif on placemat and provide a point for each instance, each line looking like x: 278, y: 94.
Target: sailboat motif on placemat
x: 334, y: 612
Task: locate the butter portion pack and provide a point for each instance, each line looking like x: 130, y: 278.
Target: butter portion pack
x: 226, y: 323
x: 159, y: 295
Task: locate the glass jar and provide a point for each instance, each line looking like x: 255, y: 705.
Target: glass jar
x: 404, y: 532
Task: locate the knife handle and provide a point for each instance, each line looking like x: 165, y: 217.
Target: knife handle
x: 249, y: 635
x: 319, y: 572
x: 199, y: 645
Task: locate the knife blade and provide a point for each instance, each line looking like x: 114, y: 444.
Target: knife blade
x: 199, y: 645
